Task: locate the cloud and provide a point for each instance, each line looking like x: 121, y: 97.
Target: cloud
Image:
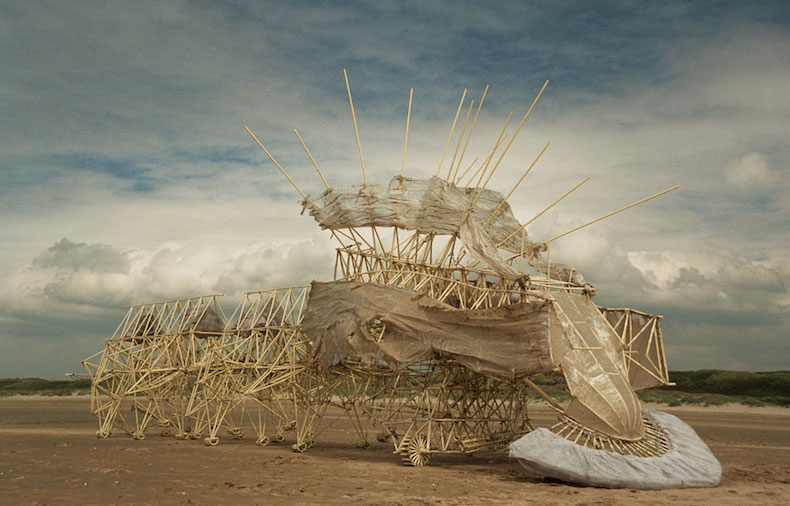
x: 81, y: 256
x: 122, y: 131
x: 74, y: 279
x: 750, y: 172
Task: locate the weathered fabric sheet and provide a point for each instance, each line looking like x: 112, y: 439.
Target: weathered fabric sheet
x: 427, y: 205
x: 203, y: 319
x: 688, y: 463
x: 507, y: 343
x: 591, y: 356
x: 347, y: 319
x: 431, y: 205
x: 434, y: 205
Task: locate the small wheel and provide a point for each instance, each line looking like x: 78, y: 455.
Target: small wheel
x: 182, y: 435
x: 277, y: 438
x: 211, y: 441
x: 383, y: 437
x: 194, y: 435
x: 300, y: 447
x: 165, y: 432
x: 262, y: 441
x: 310, y: 439
x: 103, y: 434
x: 361, y: 443
x: 291, y: 425
x: 415, y: 451
x: 138, y: 436
x: 235, y: 431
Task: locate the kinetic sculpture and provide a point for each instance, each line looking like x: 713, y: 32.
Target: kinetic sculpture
x: 150, y: 364
x: 441, y: 312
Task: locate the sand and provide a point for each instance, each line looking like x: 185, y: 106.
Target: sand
x: 50, y: 455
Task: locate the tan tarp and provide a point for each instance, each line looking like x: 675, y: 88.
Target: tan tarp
x: 591, y: 356
x: 204, y: 320
x: 427, y: 205
x: 144, y: 324
x: 345, y: 318
x: 435, y: 206
x: 431, y: 205
x: 379, y: 323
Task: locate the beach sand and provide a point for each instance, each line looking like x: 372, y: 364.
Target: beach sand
x: 49, y: 455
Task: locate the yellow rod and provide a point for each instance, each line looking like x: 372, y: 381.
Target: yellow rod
x: 524, y: 226
x: 515, y: 186
x: 311, y: 157
x: 452, y: 129
x: 499, y: 141
x: 504, y: 152
x: 460, y: 138
x: 406, y: 139
x: 484, y: 162
x: 469, y: 136
x: 466, y: 171
x: 274, y: 161
x: 613, y: 213
x: 356, y: 130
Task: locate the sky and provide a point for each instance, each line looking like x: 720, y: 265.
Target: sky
x: 126, y: 175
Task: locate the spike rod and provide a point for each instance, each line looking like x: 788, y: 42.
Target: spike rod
x: 515, y: 186
x: 504, y: 152
x: 613, y: 213
x: 311, y: 157
x: 356, y: 129
x: 471, y: 129
x: 406, y: 138
x: 452, y: 129
x: 274, y: 161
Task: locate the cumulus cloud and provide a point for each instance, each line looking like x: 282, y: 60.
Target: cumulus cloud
x: 750, y: 172
x: 81, y: 256
x: 148, y: 173
x: 73, y: 280
x: 719, y: 307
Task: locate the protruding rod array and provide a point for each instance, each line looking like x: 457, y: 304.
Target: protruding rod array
x: 274, y: 161
x: 613, y: 213
x: 524, y: 226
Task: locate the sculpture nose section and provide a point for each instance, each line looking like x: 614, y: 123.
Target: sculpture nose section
x: 590, y: 355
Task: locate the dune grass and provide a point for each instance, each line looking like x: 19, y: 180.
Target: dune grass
x: 708, y: 387
x: 716, y: 386
x: 38, y: 386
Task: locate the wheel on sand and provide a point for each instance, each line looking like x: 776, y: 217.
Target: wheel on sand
x: 414, y: 451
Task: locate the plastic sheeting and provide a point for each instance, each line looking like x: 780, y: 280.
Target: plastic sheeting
x: 204, y: 320
x: 436, y: 206
x: 591, y: 357
x: 427, y: 205
x: 372, y: 322
x: 347, y: 319
x: 688, y: 463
